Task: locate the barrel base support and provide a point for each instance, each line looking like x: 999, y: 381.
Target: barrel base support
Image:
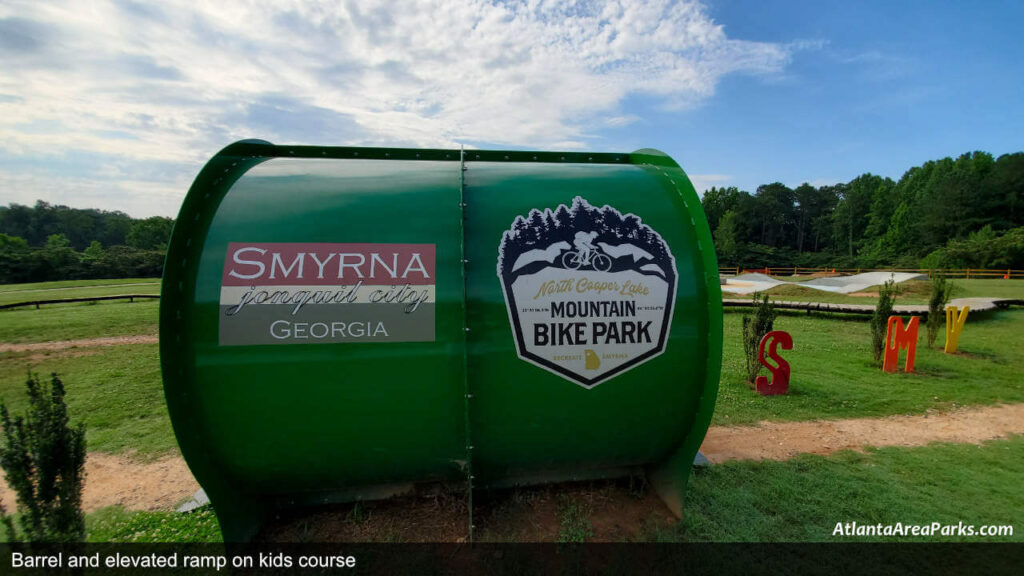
x: 669, y: 478
x: 240, y: 518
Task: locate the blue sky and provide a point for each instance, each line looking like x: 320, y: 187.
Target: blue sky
x: 117, y: 104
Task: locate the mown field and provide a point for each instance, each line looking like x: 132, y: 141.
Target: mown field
x: 12, y: 293
x: 834, y: 374
x: 117, y: 392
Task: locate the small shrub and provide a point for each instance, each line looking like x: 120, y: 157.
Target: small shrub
x: 941, y: 290
x: 44, y: 460
x: 754, y: 328
x: 575, y: 524
x: 880, y: 318
x: 357, y: 515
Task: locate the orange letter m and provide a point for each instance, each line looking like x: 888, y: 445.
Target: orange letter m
x: 896, y: 337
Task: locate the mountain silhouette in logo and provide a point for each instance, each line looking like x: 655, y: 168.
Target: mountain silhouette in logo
x: 546, y: 238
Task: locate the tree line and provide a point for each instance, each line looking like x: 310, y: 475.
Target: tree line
x: 962, y: 213
x: 46, y: 242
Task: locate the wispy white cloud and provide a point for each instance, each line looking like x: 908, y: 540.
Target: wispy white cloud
x: 878, y: 65
x: 137, y: 84
x: 701, y: 182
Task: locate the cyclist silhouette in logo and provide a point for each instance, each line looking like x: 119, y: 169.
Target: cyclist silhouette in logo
x: 586, y: 254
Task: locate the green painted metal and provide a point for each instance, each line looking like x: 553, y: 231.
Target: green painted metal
x: 268, y: 428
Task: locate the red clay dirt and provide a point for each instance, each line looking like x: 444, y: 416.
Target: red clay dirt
x: 112, y: 479
x: 617, y: 510
x: 784, y: 440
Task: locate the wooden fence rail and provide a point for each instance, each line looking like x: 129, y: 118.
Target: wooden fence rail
x: 977, y: 305
x: 968, y: 273
x: 37, y: 303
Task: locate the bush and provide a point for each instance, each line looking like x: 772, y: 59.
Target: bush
x: 880, y: 318
x: 941, y: 289
x: 754, y: 329
x: 983, y: 248
x: 44, y: 460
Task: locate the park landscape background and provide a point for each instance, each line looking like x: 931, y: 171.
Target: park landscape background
x: 785, y: 468
x: 950, y: 213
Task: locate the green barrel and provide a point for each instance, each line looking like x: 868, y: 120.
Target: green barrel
x: 339, y: 324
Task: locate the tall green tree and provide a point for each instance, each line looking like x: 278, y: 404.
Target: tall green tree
x: 775, y: 214
x: 150, y: 234
x: 728, y: 239
x: 718, y: 201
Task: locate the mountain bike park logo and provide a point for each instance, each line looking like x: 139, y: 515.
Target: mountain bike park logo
x: 589, y: 291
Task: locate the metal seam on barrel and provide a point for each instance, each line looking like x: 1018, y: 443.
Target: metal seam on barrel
x: 702, y: 398
x: 467, y: 394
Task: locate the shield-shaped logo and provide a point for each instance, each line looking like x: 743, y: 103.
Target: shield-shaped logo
x: 589, y: 291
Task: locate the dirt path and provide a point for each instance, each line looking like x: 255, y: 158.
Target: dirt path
x: 65, y: 344
x: 783, y: 440
x: 112, y: 479
x: 160, y: 485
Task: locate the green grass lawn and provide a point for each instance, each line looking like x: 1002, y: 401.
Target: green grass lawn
x: 117, y: 393
x: 34, y: 286
x: 115, y: 524
x: 834, y: 375
x: 78, y: 292
x: 77, y: 321
x: 802, y: 499
x: 63, y: 284
x: 118, y: 390
x: 988, y: 288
